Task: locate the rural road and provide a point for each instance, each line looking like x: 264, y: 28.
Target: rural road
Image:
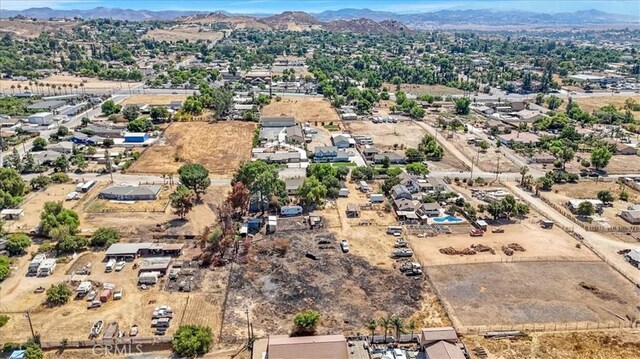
x: 128, y: 178
x: 602, y: 245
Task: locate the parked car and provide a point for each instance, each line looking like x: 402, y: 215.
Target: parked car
x: 120, y: 266
x: 92, y: 295
x: 477, y: 233
x: 344, y: 245
x: 498, y: 230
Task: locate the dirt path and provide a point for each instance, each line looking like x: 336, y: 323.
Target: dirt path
x: 603, y: 246
x: 444, y: 143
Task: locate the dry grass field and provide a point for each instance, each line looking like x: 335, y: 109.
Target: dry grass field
x: 89, y: 83
x: 533, y: 292
x: 154, y: 100
x: 182, y: 33
x: 596, y: 344
x: 32, y: 29
x: 34, y: 203
x: 99, y: 205
x: 593, y: 103
x: 220, y: 147
x: 304, y: 109
x: 424, y: 89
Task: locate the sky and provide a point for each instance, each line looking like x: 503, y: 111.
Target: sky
x: 628, y: 7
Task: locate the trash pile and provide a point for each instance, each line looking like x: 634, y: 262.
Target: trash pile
x: 450, y: 251
x: 511, y: 248
x: 482, y: 248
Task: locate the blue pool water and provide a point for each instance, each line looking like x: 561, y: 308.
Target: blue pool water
x: 447, y: 219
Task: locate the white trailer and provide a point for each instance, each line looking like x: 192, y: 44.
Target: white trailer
x: 47, y: 267
x: 110, y: 266
x: 35, y: 264
x: 376, y: 198
x: 291, y: 210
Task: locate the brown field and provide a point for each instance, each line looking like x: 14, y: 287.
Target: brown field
x: 182, y: 33
x: 486, y: 161
x: 34, y: 203
x: 220, y: 147
x: 587, y: 189
x: 32, y: 29
x: 99, y: 205
x: 407, y: 133
x: 533, y: 292
x: 597, y: 344
x: 618, y: 164
x: 304, y: 109
x: 593, y: 103
x: 425, y: 89
x: 89, y: 83
x: 154, y: 100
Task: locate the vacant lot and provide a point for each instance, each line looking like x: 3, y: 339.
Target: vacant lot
x: 619, y: 164
x: 59, y: 80
x: 154, y: 100
x: 99, y: 205
x: 440, y: 90
x: 34, y: 203
x: 487, y: 160
x: 610, y: 345
x: 533, y: 292
x: 593, y: 103
x: 220, y: 147
x: 182, y: 33
x: 32, y: 29
x: 396, y: 137
x: 589, y: 190
x: 304, y: 109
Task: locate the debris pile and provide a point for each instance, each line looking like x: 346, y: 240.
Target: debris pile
x: 516, y: 247
x: 508, y: 251
x: 482, y: 248
x: 450, y: 251
x: 604, y: 295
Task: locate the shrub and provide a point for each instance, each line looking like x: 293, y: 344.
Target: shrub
x: 191, y: 340
x: 58, y: 294
x: 104, y: 237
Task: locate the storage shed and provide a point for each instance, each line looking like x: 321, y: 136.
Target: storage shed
x: 136, y: 137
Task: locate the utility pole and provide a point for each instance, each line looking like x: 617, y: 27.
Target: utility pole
x: 498, y: 169
x: 33, y: 334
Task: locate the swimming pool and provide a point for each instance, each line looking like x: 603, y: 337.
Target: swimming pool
x: 447, y: 220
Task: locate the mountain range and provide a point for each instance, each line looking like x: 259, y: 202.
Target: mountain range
x: 413, y: 21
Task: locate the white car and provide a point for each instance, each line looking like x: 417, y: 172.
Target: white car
x: 120, y: 265
x: 344, y: 245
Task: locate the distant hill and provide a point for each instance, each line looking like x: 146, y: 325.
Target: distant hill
x: 368, y: 26
x: 347, y: 17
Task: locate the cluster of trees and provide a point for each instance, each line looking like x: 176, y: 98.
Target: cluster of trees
x: 507, y: 206
x: 462, y: 105
x: 410, y: 107
x: 58, y: 294
x: 305, y: 323
x: 323, y: 180
x: 430, y: 148
x: 261, y: 179
x: 12, y: 188
x: 61, y: 225
x: 109, y: 108
x: 4, y: 267
x: 391, y: 322
x: 194, y: 181
x: 192, y: 340
x: 217, y: 99
x: 104, y: 236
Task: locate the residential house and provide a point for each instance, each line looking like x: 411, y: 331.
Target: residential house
x: 631, y: 216
x: 84, y: 139
x: 292, y: 185
x: 46, y: 105
x: 307, y: 347
x: 105, y: 132
x: 330, y: 154
x: 369, y: 152
x: 517, y: 106
x: 528, y: 116
x: 574, y: 204
x: 45, y: 158
x: 131, y: 193
x: 432, y: 185
x: 256, y: 77
x: 430, y: 209
x: 441, y: 343
x: 544, y: 158
x: 400, y: 191
x: 394, y: 158
x: 294, y: 135
x: 343, y: 140
x: 175, y: 105
x: 525, y: 138
x: 62, y: 147
x: 622, y: 148
x: 281, y: 121
x: 278, y: 157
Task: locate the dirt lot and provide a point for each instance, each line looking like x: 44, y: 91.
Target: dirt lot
x: 220, y: 147
x: 34, y: 203
x: 73, y: 320
x: 589, y: 190
x: 89, y: 83
x: 613, y: 345
x: 593, y: 103
x: 486, y: 161
x: 154, y: 100
x: 425, y: 89
x: 533, y: 292
x: 618, y: 164
x: 304, y: 109
x: 407, y: 133
x: 32, y: 29
x: 182, y: 33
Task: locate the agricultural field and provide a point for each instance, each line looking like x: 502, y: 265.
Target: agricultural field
x: 31, y: 29
x: 304, y: 109
x: 177, y: 33
x: 154, y: 100
x: 220, y: 147
x: 595, y: 344
x: 562, y: 193
x: 394, y: 136
x: 534, y: 292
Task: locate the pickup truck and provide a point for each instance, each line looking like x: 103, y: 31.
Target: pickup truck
x: 120, y: 266
x: 117, y: 294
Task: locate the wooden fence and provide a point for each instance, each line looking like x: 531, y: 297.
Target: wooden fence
x: 547, y: 327
x: 138, y: 343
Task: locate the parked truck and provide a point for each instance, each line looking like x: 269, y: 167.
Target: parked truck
x: 111, y: 264
x: 111, y: 331
x: 105, y: 295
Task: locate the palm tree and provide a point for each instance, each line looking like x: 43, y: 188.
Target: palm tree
x: 30, y: 86
x: 385, y: 323
x: 19, y: 87
x: 64, y: 86
x: 372, y: 325
x: 523, y: 171
x: 13, y: 89
x: 47, y: 85
x: 76, y: 87
x: 36, y: 84
x: 398, y: 324
x: 82, y: 87
x: 412, y: 327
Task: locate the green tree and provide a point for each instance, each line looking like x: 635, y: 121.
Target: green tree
x: 312, y: 191
x: 61, y: 164
x: 109, y: 108
x: 105, y: 236
x: 33, y: 351
x: 39, y: 144
x: 159, y: 112
x: 12, y: 188
x: 55, y: 216
x: 386, y: 162
x: 84, y: 121
x: 417, y: 168
x: 624, y: 196
x: 59, y: 177
x: 462, y: 105
x: 554, y: 102
x: 192, y: 340
x: 495, y: 209
x: 58, y: 294
x: 600, y: 157
x: 305, y: 322
x: 539, y: 99
x: 585, y: 208
x: 139, y: 125
x: 108, y: 142
x: 130, y: 113
x: 195, y: 177
x: 39, y: 182
x: 605, y: 196
x: 4, y: 267
x: 414, y: 155
x: 484, y: 145
x: 398, y: 325
x: 17, y: 243
x: 182, y: 200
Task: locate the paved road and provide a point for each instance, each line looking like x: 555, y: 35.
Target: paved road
x: 602, y: 245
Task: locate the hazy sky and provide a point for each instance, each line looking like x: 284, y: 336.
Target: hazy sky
x: 629, y: 7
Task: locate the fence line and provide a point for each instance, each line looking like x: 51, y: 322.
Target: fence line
x: 493, y: 259
x: 547, y: 327
x: 147, y: 341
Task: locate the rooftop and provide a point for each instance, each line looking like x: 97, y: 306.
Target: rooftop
x: 312, y: 347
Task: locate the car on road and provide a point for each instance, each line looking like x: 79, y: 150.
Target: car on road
x: 344, y: 245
